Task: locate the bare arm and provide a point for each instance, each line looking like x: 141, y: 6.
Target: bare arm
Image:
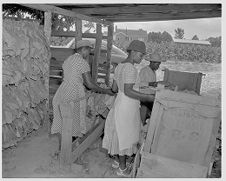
x: 130, y: 92
x: 114, y: 87
x: 88, y: 82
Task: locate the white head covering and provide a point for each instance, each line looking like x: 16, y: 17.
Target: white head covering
x: 83, y: 43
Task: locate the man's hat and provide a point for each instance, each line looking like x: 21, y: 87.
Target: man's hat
x: 83, y: 43
x: 137, y: 45
x: 155, y: 57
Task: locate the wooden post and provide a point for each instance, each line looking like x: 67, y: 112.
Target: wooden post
x: 47, y: 31
x: 48, y: 25
x: 66, y: 140
x: 97, y: 52
x: 109, y: 47
x: 78, y: 26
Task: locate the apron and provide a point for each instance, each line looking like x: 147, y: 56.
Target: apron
x: 127, y: 120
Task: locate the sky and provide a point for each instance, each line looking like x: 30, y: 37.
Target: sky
x: 203, y: 28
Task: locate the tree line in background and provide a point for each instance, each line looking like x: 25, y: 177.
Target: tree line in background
x: 159, y: 37
x: 168, y: 50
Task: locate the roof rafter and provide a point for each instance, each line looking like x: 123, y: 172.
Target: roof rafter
x: 54, y: 9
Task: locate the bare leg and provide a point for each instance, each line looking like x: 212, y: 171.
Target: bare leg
x: 143, y: 113
x: 59, y: 140
x: 122, y: 162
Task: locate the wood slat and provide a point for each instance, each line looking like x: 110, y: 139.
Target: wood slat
x: 78, y: 33
x: 162, y: 16
x: 66, y: 145
x: 147, y: 8
x: 152, y: 124
x: 91, y: 137
x: 97, y: 52
x: 109, y: 48
x: 47, y: 30
x: 103, y: 71
x: 61, y: 11
x: 72, y: 34
x: 187, y: 98
x: 155, y: 166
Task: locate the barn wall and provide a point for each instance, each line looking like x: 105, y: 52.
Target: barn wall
x: 25, y: 71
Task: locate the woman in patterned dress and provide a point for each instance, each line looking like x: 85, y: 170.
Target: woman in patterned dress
x: 76, y: 76
x: 122, y: 126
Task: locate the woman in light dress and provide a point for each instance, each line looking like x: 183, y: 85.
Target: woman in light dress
x: 122, y: 126
x: 77, y: 76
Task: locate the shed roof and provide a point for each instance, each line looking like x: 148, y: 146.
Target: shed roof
x: 145, y: 12
x: 129, y: 32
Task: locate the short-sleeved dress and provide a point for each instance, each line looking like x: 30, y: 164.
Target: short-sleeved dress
x: 122, y: 127
x: 71, y: 88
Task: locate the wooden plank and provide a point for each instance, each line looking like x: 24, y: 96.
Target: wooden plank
x: 48, y: 25
x: 158, y: 166
x: 61, y: 11
x: 156, y: 133
x: 47, y: 31
x: 97, y: 52
x: 103, y: 71
x: 136, y: 163
x: 199, y: 82
x: 161, y: 16
x: 92, y: 35
x: 78, y: 33
x: 101, y: 76
x: 93, y: 136
x: 212, y: 141
x: 147, y: 8
x: 187, y: 98
x: 72, y: 34
x: 109, y: 48
x: 152, y: 123
x: 66, y: 144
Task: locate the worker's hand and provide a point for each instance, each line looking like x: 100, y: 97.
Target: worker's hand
x: 150, y: 98
x: 167, y: 85
x: 109, y: 92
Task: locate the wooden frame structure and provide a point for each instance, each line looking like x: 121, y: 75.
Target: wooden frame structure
x: 107, y: 14
x: 181, y: 136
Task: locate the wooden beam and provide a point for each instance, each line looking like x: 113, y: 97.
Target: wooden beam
x: 47, y: 31
x: 93, y: 136
x: 72, y: 34
x: 97, y: 52
x: 163, y: 17
x: 109, y: 48
x: 78, y: 32
x: 147, y: 8
x: 66, y: 141
x: 61, y: 11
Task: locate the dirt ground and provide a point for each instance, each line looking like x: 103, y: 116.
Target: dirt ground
x: 35, y: 155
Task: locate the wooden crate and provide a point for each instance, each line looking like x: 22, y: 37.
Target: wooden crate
x: 182, y: 129
x: 184, y: 80
x: 154, y: 166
